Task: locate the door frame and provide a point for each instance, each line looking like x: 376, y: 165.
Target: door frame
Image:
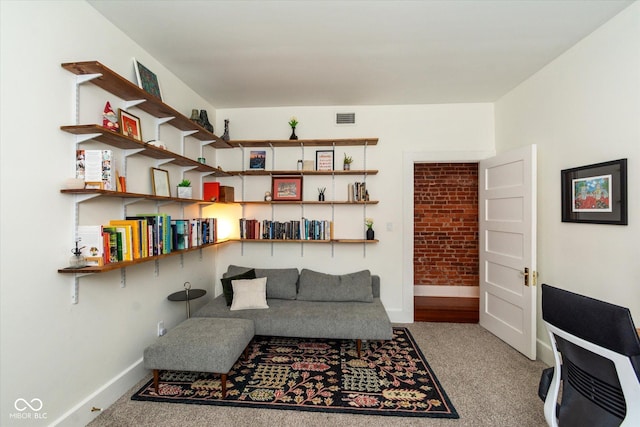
x: 409, y: 158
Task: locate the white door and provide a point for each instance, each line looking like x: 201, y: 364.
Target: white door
x: 507, y: 199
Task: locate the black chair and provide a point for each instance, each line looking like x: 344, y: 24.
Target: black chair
x: 597, y: 360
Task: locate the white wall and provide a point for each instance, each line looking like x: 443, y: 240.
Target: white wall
x: 418, y: 132
x: 581, y: 109
x: 52, y: 350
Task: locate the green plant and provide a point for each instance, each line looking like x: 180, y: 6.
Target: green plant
x: 368, y: 222
x: 184, y: 183
x: 347, y: 159
x: 293, y: 122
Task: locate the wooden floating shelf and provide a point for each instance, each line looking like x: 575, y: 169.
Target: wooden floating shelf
x: 308, y: 202
x: 305, y: 241
x: 127, y: 195
x: 343, y: 142
x: 125, y: 142
x: 114, y: 83
x: 303, y: 172
x: 123, y: 264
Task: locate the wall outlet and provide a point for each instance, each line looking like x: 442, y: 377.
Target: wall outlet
x: 161, y: 329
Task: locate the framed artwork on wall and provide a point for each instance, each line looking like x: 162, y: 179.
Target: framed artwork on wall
x: 286, y: 188
x: 147, y: 79
x: 325, y: 160
x: 129, y: 124
x: 595, y: 193
x: 160, y: 182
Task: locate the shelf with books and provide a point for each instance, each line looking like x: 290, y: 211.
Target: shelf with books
x: 305, y: 241
x: 121, y: 141
x: 123, y: 264
x: 308, y: 202
x: 117, y: 85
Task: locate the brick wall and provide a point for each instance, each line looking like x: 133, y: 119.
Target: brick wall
x: 446, y: 224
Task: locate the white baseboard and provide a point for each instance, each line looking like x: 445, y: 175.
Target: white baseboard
x: 446, y: 291
x: 544, y: 352
x: 103, y: 397
x: 399, y: 316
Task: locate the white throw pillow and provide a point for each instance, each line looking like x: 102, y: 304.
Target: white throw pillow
x: 249, y: 294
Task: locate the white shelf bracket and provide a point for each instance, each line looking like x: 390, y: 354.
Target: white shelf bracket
x: 156, y: 268
x: 181, y: 260
x: 128, y: 202
x: 132, y: 151
x: 86, y: 137
x: 132, y: 103
x: 161, y: 162
x: 75, y: 287
x: 84, y: 197
x: 123, y: 277
x: 186, y: 133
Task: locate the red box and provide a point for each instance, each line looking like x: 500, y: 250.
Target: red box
x: 210, y: 191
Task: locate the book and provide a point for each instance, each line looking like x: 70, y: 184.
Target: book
x: 115, y: 243
x: 132, y: 230
x: 99, y: 168
x: 91, y: 243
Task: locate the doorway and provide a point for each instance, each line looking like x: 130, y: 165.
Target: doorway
x: 446, y: 241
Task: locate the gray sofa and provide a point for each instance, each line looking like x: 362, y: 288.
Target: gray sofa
x: 310, y: 304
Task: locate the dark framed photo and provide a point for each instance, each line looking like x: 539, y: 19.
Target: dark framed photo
x: 595, y: 193
x: 160, y: 182
x: 325, y: 160
x: 286, y: 188
x: 147, y: 80
x: 257, y: 159
x: 129, y: 124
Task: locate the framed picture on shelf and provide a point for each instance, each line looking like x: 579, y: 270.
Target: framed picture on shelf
x: 595, y: 193
x: 129, y: 124
x: 257, y: 160
x: 147, y: 80
x: 160, y: 182
x: 286, y: 188
x: 325, y: 160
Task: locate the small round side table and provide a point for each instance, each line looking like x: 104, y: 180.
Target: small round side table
x: 187, y: 295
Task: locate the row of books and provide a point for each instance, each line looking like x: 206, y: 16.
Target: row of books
x: 357, y: 192
x: 305, y: 229
x: 142, y: 236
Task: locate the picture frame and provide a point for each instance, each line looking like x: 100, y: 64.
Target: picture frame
x: 160, y: 182
x: 147, y: 79
x: 325, y: 160
x: 596, y: 193
x: 286, y: 188
x: 129, y: 125
x: 257, y: 159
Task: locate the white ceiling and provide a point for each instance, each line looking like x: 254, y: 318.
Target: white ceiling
x: 290, y: 53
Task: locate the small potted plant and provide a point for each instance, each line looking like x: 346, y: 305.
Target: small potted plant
x: 370, y: 233
x: 184, y: 189
x: 293, y: 122
x: 346, y: 162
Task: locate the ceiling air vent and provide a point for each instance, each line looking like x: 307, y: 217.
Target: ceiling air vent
x: 346, y: 118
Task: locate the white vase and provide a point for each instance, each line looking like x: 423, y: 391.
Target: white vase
x: 185, y: 192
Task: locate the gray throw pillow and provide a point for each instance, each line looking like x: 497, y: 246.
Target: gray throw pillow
x: 316, y: 286
x: 281, y: 282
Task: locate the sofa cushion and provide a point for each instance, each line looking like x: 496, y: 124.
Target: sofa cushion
x: 227, y: 287
x: 249, y: 294
x: 315, y: 286
x: 281, y: 282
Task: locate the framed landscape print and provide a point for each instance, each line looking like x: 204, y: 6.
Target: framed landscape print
x: 257, y: 159
x: 286, y: 188
x: 595, y: 193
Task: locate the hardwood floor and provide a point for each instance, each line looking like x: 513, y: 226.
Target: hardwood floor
x: 446, y: 309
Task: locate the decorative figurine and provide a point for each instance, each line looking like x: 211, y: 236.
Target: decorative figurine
x: 267, y: 196
x: 109, y: 118
x: 195, y: 116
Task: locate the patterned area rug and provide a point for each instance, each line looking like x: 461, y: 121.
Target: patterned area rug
x: 391, y: 378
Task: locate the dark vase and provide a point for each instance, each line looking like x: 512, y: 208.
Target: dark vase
x: 293, y: 133
x: 225, y: 135
x: 204, y: 121
x: 370, y: 234
x: 321, y: 197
